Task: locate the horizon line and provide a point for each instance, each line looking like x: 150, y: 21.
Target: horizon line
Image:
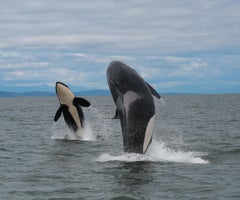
x: 99, y: 92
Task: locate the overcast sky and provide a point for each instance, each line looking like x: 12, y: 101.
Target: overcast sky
x: 177, y: 46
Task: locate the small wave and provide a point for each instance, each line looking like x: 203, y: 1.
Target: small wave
x: 157, y: 152
x: 163, y: 103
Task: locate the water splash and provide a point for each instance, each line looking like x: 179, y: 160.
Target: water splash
x: 98, y: 128
x: 100, y: 124
x: 63, y: 133
x: 157, y: 152
x: 162, y: 102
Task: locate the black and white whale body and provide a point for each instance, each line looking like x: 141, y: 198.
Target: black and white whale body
x: 70, y: 106
x: 134, y: 106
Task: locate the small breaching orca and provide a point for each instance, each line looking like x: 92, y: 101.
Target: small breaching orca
x: 134, y: 106
x: 70, y: 106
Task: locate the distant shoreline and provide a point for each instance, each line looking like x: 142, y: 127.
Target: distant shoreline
x: 47, y: 93
x: 88, y: 93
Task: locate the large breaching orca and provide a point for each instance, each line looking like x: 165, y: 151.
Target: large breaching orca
x: 70, y: 106
x: 134, y: 106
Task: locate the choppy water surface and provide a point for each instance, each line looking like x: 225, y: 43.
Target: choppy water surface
x: 194, y: 154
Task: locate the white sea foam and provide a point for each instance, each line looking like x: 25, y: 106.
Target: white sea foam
x: 63, y: 133
x: 157, y: 152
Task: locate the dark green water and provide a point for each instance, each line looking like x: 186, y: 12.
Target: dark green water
x: 195, y: 153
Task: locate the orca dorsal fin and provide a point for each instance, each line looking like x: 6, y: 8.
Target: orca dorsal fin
x: 153, y: 91
x: 58, y: 113
x: 81, y: 101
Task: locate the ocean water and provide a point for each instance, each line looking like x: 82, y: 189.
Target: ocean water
x: 195, y: 152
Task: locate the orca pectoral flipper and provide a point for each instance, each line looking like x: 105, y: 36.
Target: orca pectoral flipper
x: 58, y: 113
x: 81, y: 101
x: 116, y: 116
x: 69, y: 119
x: 153, y: 91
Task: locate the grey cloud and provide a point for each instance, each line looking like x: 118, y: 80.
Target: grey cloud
x: 165, y: 73
x: 146, y: 27
x: 170, y: 43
